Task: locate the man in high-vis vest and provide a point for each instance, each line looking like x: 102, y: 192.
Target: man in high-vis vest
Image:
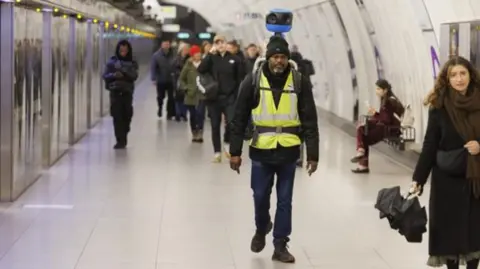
x: 281, y: 106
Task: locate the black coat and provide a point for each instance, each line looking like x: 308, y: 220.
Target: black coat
x: 126, y: 81
x: 228, y: 71
x: 454, y: 213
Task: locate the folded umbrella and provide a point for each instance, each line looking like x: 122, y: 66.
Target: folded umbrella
x: 404, y: 214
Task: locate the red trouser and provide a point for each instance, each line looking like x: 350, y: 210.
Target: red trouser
x: 376, y: 133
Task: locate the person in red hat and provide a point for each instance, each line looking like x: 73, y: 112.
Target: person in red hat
x: 193, y: 97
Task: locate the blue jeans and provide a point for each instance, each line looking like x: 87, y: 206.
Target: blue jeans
x: 262, y: 183
x: 197, y: 116
x: 180, y: 110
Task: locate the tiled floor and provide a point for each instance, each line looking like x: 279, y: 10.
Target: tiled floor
x: 162, y: 205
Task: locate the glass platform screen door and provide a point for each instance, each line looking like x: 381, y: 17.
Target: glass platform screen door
x: 475, y: 44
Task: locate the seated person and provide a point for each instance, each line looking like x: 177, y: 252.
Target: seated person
x: 378, y: 123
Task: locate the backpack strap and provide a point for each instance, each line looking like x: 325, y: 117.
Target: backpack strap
x: 257, y: 76
x: 297, y: 81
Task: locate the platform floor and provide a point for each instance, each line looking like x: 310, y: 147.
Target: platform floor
x: 162, y: 204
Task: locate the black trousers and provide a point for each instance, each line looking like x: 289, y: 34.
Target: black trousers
x: 121, y: 110
x: 166, y: 89
x: 216, y: 110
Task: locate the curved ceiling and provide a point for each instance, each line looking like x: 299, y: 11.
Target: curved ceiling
x: 223, y: 14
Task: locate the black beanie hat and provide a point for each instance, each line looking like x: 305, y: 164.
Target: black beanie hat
x: 277, y: 45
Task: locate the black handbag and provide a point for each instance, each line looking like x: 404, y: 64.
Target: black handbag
x: 453, y: 162
x: 209, y: 86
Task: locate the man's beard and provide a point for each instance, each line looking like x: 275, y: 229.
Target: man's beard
x: 278, y: 69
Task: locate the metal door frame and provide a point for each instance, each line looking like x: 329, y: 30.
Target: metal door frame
x: 6, y: 100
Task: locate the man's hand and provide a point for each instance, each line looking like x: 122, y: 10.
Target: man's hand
x: 213, y: 50
x: 118, y: 74
x: 235, y: 163
x: 311, y: 167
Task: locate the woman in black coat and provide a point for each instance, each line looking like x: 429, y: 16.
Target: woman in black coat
x: 451, y: 153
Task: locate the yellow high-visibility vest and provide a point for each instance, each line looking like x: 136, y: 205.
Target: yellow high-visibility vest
x: 276, y: 125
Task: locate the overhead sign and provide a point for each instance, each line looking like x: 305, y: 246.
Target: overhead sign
x: 204, y: 35
x: 249, y: 15
x: 171, y: 28
x: 168, y: 12
x: 183, y: 35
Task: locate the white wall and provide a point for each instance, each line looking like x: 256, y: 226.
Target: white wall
x: 404, y: 33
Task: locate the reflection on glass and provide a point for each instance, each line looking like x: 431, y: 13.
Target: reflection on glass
x: 453, y: 46
x: 27, y: 97
x: 475, y: 44
x: 96, y: 78
x: 80, y: 85
x: 60, y: 114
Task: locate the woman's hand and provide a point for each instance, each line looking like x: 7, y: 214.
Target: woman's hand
x: 473, y: 147
x: 415, y: 189
x: 371, y: 111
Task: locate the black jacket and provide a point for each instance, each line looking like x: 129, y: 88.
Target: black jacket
x: 120, y: 72
x: 306, y: 109
x: 162, y: 67
x: 249, y: 63
x: 227, y: 70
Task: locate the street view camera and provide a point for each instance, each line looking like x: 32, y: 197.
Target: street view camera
x: 279, y: 21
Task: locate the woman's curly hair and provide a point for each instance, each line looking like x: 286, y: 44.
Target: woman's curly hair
x: 436, y: 96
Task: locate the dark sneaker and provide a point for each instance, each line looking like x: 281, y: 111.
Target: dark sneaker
x: 120, y: 146
x: 281, y: 252
x: 258, y: 240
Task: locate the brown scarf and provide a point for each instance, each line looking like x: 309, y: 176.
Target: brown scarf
x: 464, y: 111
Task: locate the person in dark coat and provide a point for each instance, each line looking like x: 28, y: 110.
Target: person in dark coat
x: 163, y: 75
x: 251, y: 58
x: 228, y: 71
x: 377, y: 122
x: 451, y: 153
x: 120, y: 75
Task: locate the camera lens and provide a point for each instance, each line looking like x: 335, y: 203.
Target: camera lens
x: 272, y: 19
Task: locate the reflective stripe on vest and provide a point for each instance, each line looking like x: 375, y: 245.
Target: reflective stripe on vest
x: 276, y: 124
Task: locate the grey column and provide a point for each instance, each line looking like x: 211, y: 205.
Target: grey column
x: 47, y: 85
x: 72, y: 61
x: 89, y: 66
x: 6, y: 100
x: 101, y: 63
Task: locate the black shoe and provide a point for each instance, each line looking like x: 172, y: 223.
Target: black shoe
x: 281, y: 252
x: 159, y: 113
x: 120, y: 146
x: 299, y: 164
x: 258, y: 240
